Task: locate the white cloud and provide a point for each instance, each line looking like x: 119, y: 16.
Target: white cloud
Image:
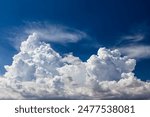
x: 131, y: 39
x: 39, y: 72
x: 137, y: 51
x: 58, y: 34
x: 46, y: 32
x: 134, y: 38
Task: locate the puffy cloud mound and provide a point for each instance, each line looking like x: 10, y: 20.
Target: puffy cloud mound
x: 35, y: 60
x: 39, y: 72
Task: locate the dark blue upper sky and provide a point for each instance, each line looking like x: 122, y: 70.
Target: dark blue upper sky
x: 105, y: 21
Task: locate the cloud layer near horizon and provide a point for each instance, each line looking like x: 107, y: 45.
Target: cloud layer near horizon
x: 39, y: 72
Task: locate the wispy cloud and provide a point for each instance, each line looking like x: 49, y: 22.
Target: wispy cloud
x: 130, y: 39
x: 59, y: 34
x: 136, y: 51
x: 132, y: 44
x: 134, y: 38
x: 46, y: 32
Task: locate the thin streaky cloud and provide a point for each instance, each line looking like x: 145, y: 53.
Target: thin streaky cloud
x: 58, y: 34
x: 136, y: 51
x: 134, y: 38
x: 130, y: 39
x: 47, y: 32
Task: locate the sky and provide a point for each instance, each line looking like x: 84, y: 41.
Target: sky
x: 78, y: 27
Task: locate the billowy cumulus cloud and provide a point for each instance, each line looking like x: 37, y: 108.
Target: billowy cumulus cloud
x: 39, y: 72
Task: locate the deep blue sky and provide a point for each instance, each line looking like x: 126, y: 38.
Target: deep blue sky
x: 104, y: 20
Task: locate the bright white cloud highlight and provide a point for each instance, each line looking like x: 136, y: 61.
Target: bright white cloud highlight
x: 39, y: 72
